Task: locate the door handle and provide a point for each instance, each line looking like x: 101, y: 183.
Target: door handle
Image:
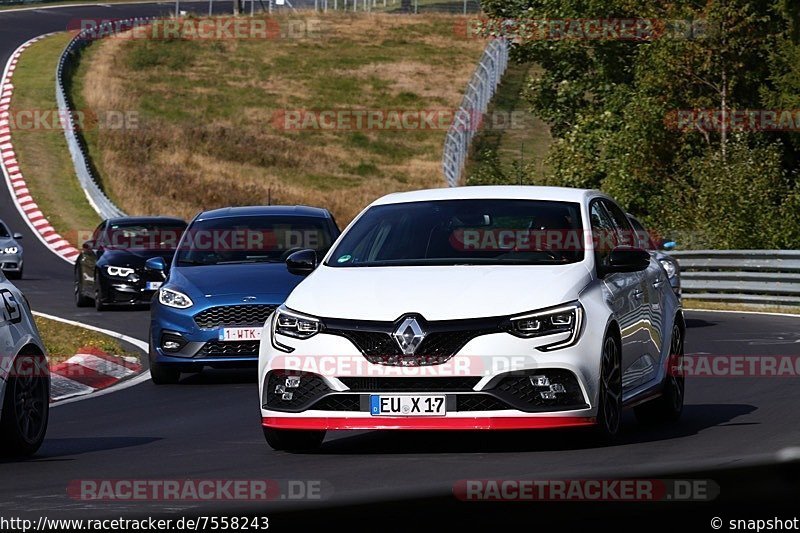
x: 658, y: 282
x: 638, y: 294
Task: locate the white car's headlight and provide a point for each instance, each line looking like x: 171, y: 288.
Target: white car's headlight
x: 567, y: 318
x: 176, y: 299
x: 294, y: 324
x: 668, y: 267
x: 122, y: 272
x: 10, y: 250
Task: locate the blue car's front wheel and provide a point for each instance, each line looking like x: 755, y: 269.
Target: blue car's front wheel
x: 162, y: 374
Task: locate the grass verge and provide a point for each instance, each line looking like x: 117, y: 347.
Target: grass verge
x: 512, y: 137
x: 40, y: 145
x: 65, y: 340
x: 208, y: 131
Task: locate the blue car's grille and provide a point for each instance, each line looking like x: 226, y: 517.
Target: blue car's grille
x: 234, y: 316
x: 229, y: 349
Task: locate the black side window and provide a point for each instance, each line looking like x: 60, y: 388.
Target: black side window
x: 625, y: 233
x: 98, y: 232
x: 604, y: 232
x: 642, y: 236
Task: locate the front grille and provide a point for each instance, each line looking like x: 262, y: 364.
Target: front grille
x: 311, y: 388
x: 438, y: 347
x: 411, y: 384
x: 234, y: 316
x: 518, y: 391
x: 479, y: 402
x: 228, y: 349
x: 339, y: 402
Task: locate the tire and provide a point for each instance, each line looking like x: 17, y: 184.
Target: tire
x: 98, y: 294
x: 669, y: 406
x: 81, y: 300
x: 163, y: 375
x: 293, y: 440
x: 609, y: 406
x: 14, y: 275
x: 23, y: 424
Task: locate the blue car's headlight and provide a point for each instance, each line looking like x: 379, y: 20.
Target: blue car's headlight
x: 10, y: 250
x: 173, y: 298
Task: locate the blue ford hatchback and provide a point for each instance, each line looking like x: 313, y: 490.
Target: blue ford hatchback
x: 229, y: 273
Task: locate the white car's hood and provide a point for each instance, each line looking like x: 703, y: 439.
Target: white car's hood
x: 436, y: 292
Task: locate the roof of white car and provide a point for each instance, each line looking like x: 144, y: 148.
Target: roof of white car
x: 515, y: 192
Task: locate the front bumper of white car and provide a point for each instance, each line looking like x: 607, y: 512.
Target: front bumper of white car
x: 495, y: 381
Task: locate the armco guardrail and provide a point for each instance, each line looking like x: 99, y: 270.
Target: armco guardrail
x: 746, y: 276
x: 480, y: 90
x: 77, y: 149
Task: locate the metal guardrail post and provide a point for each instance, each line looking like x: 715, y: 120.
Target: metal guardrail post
x: 477, y: 97
x: 99, y: 201
x: 742, y: 276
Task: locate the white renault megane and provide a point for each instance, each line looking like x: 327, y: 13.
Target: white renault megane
x: 474, y: 308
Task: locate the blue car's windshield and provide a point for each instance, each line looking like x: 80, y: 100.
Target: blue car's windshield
x: 251, y: 239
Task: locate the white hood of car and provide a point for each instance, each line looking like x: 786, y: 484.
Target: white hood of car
x: 436, y: 292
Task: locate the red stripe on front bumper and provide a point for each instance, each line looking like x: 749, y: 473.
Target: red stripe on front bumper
x: 437, y: 423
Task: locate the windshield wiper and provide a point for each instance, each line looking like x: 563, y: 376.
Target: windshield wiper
x: 245, y: 261
x: 455, y: 262
x: 193, y: 262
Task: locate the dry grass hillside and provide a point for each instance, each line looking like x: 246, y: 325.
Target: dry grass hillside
x: 206, y: 133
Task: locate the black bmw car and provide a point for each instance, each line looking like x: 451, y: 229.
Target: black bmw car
x: 110, y: 268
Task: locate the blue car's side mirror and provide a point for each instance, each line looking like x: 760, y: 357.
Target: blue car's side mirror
x: 156, y: 264
x: 668, y: 245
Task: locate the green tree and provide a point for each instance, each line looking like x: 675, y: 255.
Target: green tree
x: 611, y: 105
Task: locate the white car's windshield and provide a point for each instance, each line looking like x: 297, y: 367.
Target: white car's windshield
x: 455, y: 232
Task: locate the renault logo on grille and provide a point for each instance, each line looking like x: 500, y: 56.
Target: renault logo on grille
x: 409, y: 336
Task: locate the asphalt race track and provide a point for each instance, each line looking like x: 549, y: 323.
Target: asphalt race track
x: 208, y: 427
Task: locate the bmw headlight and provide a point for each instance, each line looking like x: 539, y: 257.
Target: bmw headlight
x: 122, y: 272
x: 669, y: 267
x: 567, y: 318
x: 172, y: 298
x: 10, y: 250
x: 294, y: 324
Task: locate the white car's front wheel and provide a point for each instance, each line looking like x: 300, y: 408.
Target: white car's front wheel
x: 609, y: 409
x: 25, y: 407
